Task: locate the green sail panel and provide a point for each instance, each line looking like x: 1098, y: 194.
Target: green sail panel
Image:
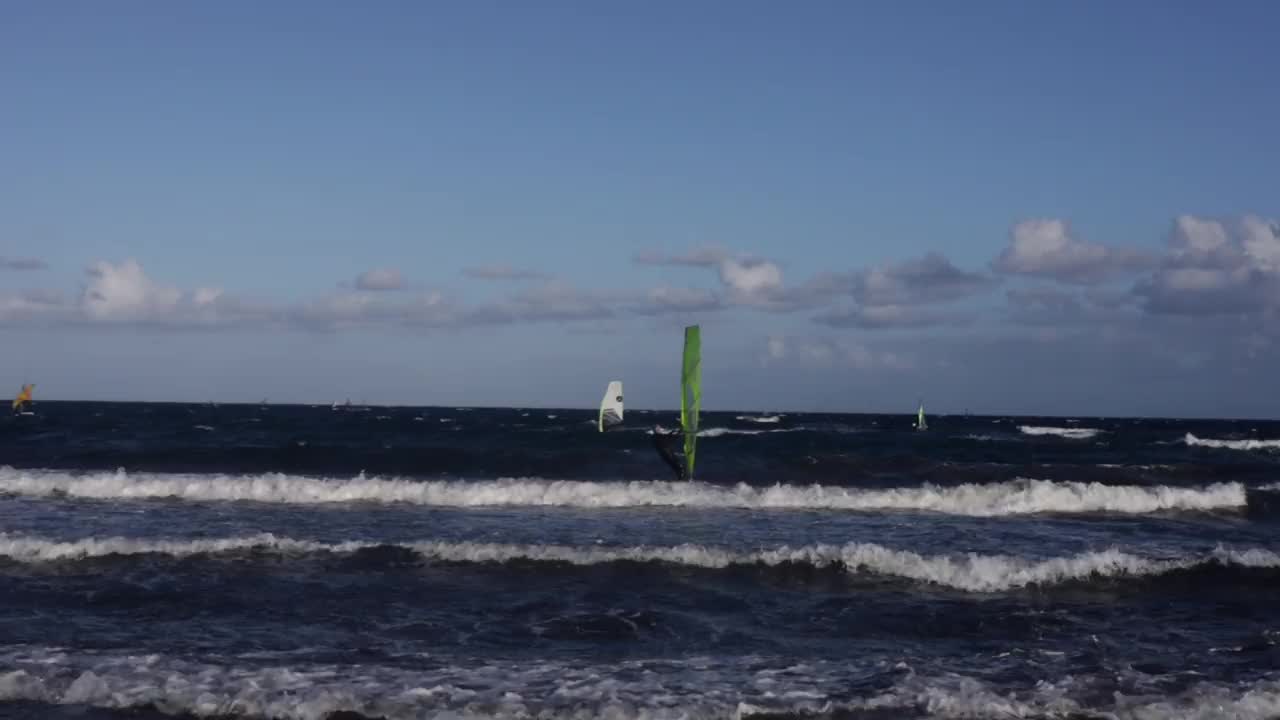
x: 691, y: 394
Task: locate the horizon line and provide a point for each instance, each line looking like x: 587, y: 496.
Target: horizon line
x: 962, y: 414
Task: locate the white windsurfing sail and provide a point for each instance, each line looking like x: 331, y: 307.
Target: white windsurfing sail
x: 611, y: 406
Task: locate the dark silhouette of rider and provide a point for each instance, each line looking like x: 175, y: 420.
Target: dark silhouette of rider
x: 665, y: 444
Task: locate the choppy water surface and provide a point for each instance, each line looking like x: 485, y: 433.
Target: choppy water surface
x: 296, y: 562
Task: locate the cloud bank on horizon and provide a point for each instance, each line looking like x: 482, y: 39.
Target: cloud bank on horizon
x: 1209, y: 267
x: 1212, y: 292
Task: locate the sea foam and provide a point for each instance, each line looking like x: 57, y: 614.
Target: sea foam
x: 969, y: 572
x: 1016, y: 497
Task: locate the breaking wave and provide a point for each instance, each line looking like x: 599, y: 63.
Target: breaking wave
x: 766, y: 419
x: 969, y: 572
x: 1247, y: 444
x: 1016, y: 497
x: 1068, y: 433
x: 719, y: 431
x: 692, y: 689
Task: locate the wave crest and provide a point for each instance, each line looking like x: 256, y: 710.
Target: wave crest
x: 1072, y: 433
x: 969, y: 572
x: 1246, y: 444
x: 1016, y: 497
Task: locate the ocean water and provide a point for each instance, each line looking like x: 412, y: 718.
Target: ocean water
x: 247, y: 561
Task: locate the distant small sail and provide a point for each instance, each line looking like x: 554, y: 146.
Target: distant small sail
x: 920, y: 422
x: 611, y: 406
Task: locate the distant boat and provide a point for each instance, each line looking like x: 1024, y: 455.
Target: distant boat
x: 611, y: 406
x: 348, y: 407
x: 22, y: 403
x: 920, y: 421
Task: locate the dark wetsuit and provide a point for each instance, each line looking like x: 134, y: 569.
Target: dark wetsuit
x: 662, y: 442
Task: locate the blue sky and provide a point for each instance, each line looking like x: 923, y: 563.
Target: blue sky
x: 827, y: 188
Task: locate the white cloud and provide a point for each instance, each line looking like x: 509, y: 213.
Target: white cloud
x: 337, y: 310
x: 751, y: 282
x: 31, y: 305
x: 670, y: 299
x: 1054, y: 306
x: 1261, y: 241
x: 123, y: 292
x: 929, y: 279
x: 1046, y: 248
x: 777, y: 349
x: 1198, y: 237
x: 826, y: 352
x: 744, y: 280
x: 1214, y: 268
x: 380, y: 279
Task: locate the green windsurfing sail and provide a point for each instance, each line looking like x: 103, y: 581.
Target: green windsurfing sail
x: 920, y: 423
x: 691, y: 394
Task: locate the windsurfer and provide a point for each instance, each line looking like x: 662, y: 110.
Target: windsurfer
x: 22, y: 403
x: 663, y: 442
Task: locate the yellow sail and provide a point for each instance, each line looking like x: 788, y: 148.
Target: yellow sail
x: 24, y: 397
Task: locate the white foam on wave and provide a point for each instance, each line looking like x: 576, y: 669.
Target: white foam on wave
x: 957, y: 696
x: 1016, y: 497
x: 719, y: 431
x: 1246, y: 444
x: 764, y: 419
x: 29, y: 549
x: 984, y: 438
x: 1076, y: 433
x: 661, y: 689
x: 693, y: 688
x: 969, y: 572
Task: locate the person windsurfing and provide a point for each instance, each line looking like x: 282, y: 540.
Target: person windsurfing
x: 664, y: 443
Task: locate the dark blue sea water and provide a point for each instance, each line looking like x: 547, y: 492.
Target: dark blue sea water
x: 299, y: 562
